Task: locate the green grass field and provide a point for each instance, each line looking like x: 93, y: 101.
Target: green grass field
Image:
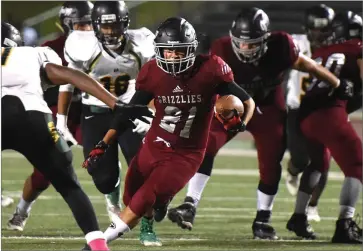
x: 223, y: 221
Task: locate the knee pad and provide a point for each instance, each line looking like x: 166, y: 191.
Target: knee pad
x: 39, y: 181
x: 207, y: 165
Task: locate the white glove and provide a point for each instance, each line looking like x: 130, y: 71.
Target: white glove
x: 141, y: 127
x: 64, y: 131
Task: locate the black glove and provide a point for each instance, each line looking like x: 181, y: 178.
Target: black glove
x: 345, y: 90
x: 129, y: 111
x: 95, y: 155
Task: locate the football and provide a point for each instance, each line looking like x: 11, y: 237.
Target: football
x: 225, y: 104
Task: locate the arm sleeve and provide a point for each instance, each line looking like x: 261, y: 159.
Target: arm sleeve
x: 232, y: 88
x: 141, y: 98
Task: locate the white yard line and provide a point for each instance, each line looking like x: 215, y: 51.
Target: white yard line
x: 70, y: 238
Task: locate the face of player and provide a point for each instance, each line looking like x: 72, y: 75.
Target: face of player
x: 317, y: 37
x: 177, y: 59
x: 112, y: 34
x: 173, y: 55
x: 84, y: 26
x: 249, y: 50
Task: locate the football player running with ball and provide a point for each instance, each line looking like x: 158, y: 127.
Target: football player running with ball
x: 184, y: 87
x: 258, y: 58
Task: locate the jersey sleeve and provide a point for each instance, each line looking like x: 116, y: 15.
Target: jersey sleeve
x: 47, y: 55
x: 222, y: 70
x: 143, y: 81
x: 290, y: 50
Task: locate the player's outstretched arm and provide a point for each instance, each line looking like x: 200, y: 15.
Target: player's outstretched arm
x: 306, y: 64
x: 60, y: 75
x: 234, y: 89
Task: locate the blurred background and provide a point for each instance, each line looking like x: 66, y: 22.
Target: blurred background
x: 38, y: 20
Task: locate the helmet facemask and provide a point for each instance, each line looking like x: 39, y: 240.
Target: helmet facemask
x: 110, y: 32
x: 249, y: 50
x: 178, y: 64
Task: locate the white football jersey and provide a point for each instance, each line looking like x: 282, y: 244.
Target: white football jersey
x: 297, y: 80
x: 117, y: 73
x: 21, y: 74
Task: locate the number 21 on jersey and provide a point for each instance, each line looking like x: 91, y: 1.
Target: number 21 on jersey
x: 173, y: 116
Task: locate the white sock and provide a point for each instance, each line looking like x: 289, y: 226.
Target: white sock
x: 196, y: 186
x: 116, y: 229
x: 346, y: 212
x: 302, y: 202
x: 94, y: 235
x: 264, y: 201
x: 24, y: 207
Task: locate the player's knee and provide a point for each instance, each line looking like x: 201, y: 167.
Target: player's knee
x: 270, y: 189
x: 106, y: 183
x: 271, y: 175
x: 39, y: 181
x: 207, y: 165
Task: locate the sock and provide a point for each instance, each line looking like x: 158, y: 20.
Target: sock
x: 196, y: 186
x: 349, y: 196
x: 264, y: 201
x: 346, y: 212
x: 302, y: 201
x: 113, y: 198
x: 116, y: 229
x: 24, y: 207
x: 96, y: 240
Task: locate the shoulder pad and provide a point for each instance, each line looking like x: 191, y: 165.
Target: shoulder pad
x: 47, y: 54
x: 142, y: 43
x: 81, y: 46
x: 142, y: 35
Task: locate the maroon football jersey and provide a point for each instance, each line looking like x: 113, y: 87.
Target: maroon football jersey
x: 261, y: 78
x: 58, y: 46
x: 340, y: 59
x: 184, y: 106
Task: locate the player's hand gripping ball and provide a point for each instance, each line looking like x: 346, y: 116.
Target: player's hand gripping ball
x: 228, y: 110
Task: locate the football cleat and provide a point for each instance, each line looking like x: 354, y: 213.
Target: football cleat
x: 299, y: 224
x: 347, y: 231
x: 313, y: 214
x: 292, y: 183
x: 6, y: 201
x: 147, y: 234
x: 183, y: 215
x: 18, y: 221
x: 263, y: 230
